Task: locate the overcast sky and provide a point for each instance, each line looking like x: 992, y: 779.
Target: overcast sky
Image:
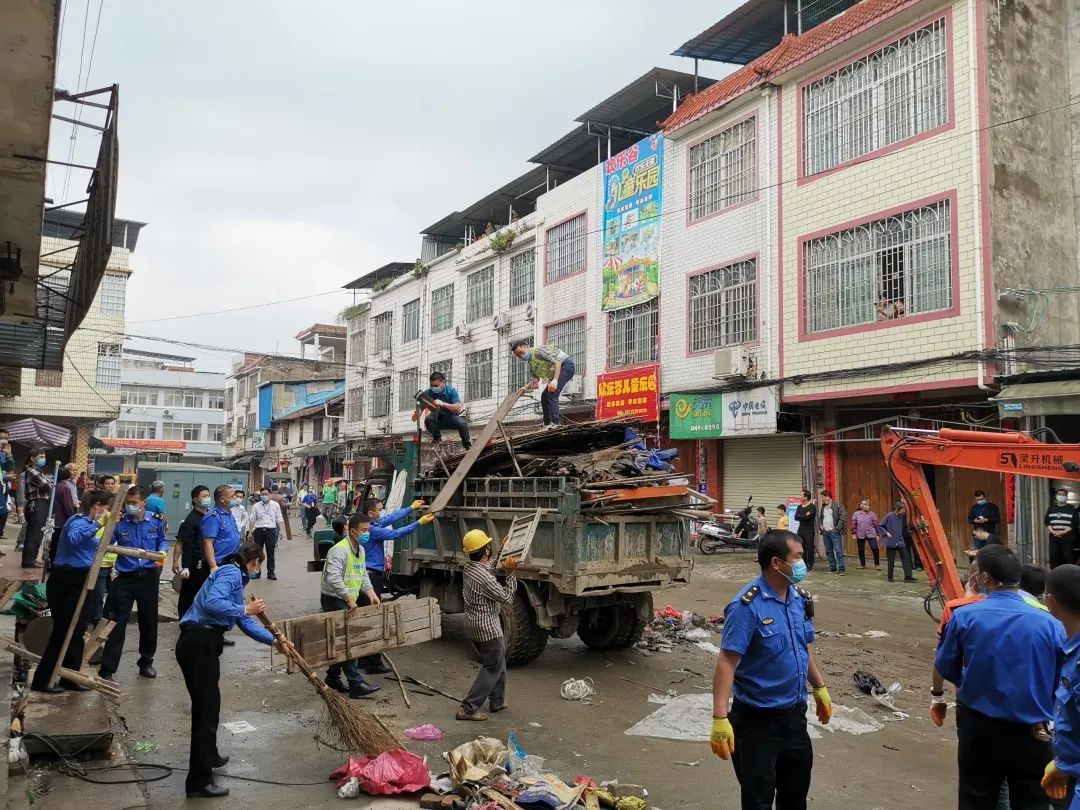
x: 281, y: 149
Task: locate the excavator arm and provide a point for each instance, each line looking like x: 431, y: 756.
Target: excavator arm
x: 906, y: 451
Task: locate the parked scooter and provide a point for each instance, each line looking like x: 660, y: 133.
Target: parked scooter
x: 715, y: 535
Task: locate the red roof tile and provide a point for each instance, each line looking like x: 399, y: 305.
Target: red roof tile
x: 792, y: 51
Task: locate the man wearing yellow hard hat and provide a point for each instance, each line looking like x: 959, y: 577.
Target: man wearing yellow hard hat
x: 485, y: 596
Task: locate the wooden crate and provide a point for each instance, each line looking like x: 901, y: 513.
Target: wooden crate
x: 330, y: 638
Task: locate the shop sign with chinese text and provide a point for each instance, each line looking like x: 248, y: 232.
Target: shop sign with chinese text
x: 718, y: 415
x: 631, y: 392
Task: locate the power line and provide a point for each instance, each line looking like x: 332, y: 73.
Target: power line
x: 239, y: 309
x: 85, y: 83
x: 89, y: 385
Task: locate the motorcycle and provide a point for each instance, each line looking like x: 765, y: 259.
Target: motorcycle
x: 715, y: 535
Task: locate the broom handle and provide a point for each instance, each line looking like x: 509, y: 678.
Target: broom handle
x: 293, y: 653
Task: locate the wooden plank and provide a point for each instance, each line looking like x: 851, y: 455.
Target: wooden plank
x: 400, y: 625
x: 510, y: 449
x: 479, y: 444
x: 314, y: 654
x: 98, y: 636
x: 330, y: 638
x: 518, y: 540
x: 645, y: 493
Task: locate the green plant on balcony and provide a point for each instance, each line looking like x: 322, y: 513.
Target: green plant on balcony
x: 501, y: 242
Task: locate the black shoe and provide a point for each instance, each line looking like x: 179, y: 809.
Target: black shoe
x: 271, y: 576
x: 71, y: 686
x: 337, y: 684
x: 211, y: 791
x: 147, y: 671
x: 228, y: 642
x: 221, y: 762
x: 106, y: 676
x: 910, y: 579
x: 48, y: 690
x: 31, y: 565
x: 380, y: 669
x: 363, y: 690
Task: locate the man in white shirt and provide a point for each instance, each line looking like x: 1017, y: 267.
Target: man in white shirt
x: 266, y: 517
x: 239, y: 512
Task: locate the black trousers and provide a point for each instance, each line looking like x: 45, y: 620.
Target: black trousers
x: 198, y: 652
x: 807, y: 537
x: 189, y: 588
x: 773, y: 757
x: 62, y: 589
x: 991, y: 751
x: 265, y: 539
x: 861, y: 543
x: 905, y: 560
x: 36, y: 514
x: 1061, y: 551
x: 139, y: 588
x: 3, y: 519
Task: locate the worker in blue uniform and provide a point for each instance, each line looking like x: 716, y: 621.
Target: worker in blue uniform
x: 217, y: 607
x: 220, y: 536
x: 764, y: 665
x: 137, y: 582
x: 1062, y: 773
x: 1004, y: 656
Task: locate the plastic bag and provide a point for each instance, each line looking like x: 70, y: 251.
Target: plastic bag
x: 424, y: 732
x: 385, y: 775
x: 519, y: 763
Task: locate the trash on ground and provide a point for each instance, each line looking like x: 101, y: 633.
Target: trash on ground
x: 475, y: 761
x: 520, y: 763
x: 424, y: 732
x: 870, y: 685
x: 239, y: 727
x: 577, y: 689
x: 693, y: 764
x: 667, y: 697
x: 876, y: 634
x: 385, y: 775
x: 145, y: 747
x: 670, y: 628
x: 350, y: 788
x: 835, y: 634
x: 708, y: 647
x: 697, y: 634
x: 851, y: 720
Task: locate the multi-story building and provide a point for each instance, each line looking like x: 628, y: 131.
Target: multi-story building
x: 302, y: 422
x: 169, y: 411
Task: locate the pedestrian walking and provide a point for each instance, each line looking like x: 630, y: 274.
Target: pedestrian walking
x: 893, y: 529
x: 267, y: 522
x: 548, y: 363
x: 832, y: 521
x: 1063, y: 523
x: 485, y: 596
x: 1004, y: 657
x: 806, y: 518
x: 1063, y: 600
x: 218, y: 606
x: 137, y: 583
x: 239, y: 512
x: 283, y: 504
x: 309, y: 511
x: 220, y: 535
x: 448, y: 408
x: 188, y: 558
x: 76, y: 548
x: 329, y: 501
x: 38, y: 488
x: 985, y: 515
x: 763, y: 668
x: 864, y: 524
x: 345, y: 586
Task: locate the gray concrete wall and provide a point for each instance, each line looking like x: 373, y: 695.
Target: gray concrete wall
x: 1032, y: 53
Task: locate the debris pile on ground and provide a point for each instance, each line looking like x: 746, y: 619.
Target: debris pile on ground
x: 671, y: 628
x: 609, y: 464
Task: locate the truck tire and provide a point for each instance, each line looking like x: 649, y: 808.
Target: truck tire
x: 599, y: 628
x: 525, y: 639
x: 631, y: 627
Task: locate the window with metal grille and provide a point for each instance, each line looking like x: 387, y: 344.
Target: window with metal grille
x: 228, y: 399
x: 888, y: 96
x: 354, y: 404
x: 518, y: 372
x: 107, y: 377
x: 215, y: 400
x: 136, y: 430
x: 48, y: 378
x: 723, y: 169
x: 522, y: 278
x: 214, y: 433
x: 480, y: 294
x: 356, y: 353
x: 410, y: 318
x: 570, y: 337
x: 184, y: 431
x: 632, y: 334
x: 380, y: 397
x: 286, y: 430
x: 408, y: 385
x: 193, y: 399
x: 382, y: 326
x: 478, y: 375
x: 444, y: 367
x: 442, y: 308
x: 317, y: 429
x: 884, y: 270
x: 113, y: 293
x: 564, y: 254
x: 723, y: 307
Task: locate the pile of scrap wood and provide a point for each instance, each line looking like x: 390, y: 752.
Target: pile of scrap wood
x: 605, y: 460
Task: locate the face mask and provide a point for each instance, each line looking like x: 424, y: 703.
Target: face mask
x: 235, y: 502
x: 1062, y: 499
x: 206, y: 503
x: 40, y: 462
x: 264, y: 498
x: 132, y: 509
x: 798, y: 572
x: 527, y: 356
x: 437, y: 389
x: 980, y: 501
x: 363, y: 537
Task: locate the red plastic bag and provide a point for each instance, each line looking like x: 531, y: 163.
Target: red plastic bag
x: 669, y: 613
x: 387, y: 774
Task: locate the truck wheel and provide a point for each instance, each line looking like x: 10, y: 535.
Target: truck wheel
x: 631, y: 627
x: 599, y: 628
x: 525, y: 639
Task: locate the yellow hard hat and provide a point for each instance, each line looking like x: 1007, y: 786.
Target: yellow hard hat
x: 474, y: 540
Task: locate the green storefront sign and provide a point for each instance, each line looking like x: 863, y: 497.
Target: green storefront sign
x: 696, y: 416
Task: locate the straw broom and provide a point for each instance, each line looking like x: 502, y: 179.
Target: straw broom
x: 344, y: 725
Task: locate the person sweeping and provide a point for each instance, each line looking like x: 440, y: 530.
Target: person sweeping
x: 485, y: 596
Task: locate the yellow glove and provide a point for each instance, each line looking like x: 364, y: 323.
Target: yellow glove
x: 424, y: 519
x: 417, y: 504
x: 1054, y: 782
x: 722, y: 740
x: 824, y: 705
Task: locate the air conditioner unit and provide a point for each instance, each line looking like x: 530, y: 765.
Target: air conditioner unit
x: 462, y: 333
x: 384, y: 425
x: 501, y: 323
x: 530, y: 312
x: 732, y: 362
x: 384, y: 357
x: 166, y: 412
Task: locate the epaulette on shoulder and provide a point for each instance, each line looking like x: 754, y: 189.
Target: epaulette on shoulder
x: 748, y: 597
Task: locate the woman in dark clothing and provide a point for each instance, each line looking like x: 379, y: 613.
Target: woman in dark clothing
x: 806, y: 516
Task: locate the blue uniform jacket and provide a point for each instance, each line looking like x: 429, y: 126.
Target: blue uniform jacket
x: 1067, y: 712
x: 218, y: 525
x: 156, y: 504
x: 1005, y: 655
x: 381, y: 531
x: 772, y: 636
x: 220, y: 603
x: 449, y: 395
x: 147, y: 534
x: 78, y: 542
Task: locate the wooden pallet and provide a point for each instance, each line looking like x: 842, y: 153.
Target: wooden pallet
x: 331, y: 638
x: 518, y: 540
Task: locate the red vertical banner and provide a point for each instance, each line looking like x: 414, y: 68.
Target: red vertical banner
x: 829, y: 460
x: 630, y: 392
x: 1010, y: 498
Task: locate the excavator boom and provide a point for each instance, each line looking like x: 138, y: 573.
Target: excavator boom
x: 906, y: 451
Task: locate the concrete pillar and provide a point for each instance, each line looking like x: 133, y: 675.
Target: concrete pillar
x: 80, y: 448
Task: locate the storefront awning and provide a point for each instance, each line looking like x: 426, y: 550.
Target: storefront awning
x: 320, y: 448
x: 242, y: 461
x: 1060, y: 398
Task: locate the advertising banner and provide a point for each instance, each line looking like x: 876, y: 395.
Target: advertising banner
x: 169, y: 445
x: 631, y: 227
x: 720, y: 415
x: 632, y: 392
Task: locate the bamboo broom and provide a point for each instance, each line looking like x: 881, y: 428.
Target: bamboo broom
x: 344, y: 725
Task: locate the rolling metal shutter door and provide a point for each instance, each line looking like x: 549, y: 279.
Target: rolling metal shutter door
x: 767, y: 467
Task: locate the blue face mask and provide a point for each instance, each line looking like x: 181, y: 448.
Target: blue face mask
x: 132, y: 509
x: 527, y: 356
x: 206, y: 503
x: 798, y: 572
x: 40, y: 462
x: 437, y: 389
x: 364, y: 537
x: 980, y: 501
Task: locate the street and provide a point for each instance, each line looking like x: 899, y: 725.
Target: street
x: 908, y: 761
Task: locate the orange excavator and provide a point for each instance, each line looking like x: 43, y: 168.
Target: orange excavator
x: 906, y: 450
